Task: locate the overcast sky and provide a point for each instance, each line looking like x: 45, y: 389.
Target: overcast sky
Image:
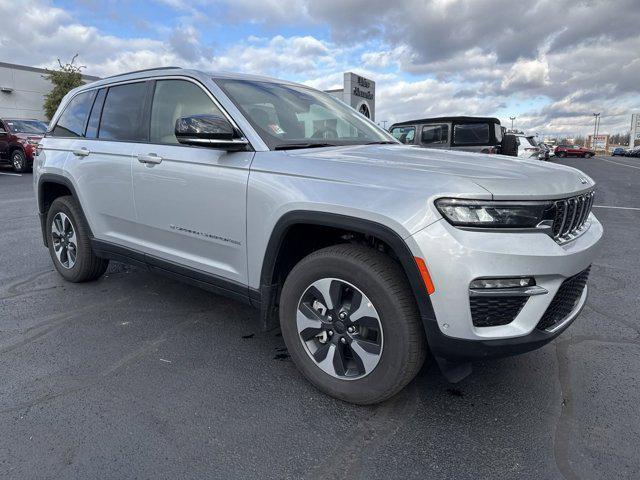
x: 550, y: 63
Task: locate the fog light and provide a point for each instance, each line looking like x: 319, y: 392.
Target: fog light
x: 483, y: 283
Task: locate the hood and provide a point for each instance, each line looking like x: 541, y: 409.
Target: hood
x: 504, y: 177
x: 27, y: 136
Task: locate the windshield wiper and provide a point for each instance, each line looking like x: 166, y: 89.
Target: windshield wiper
x: 290, y: 146
x: 382, y: 142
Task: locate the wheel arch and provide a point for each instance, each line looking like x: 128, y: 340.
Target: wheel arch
x: 274, y: 254
x: 50, y: 187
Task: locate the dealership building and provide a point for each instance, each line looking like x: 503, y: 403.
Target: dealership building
x: 22, y: 91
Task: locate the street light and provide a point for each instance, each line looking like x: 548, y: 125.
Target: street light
x: 595, y: 130
x: 512, y: 119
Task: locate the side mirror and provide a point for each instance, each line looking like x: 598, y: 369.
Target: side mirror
x: 209, y: 131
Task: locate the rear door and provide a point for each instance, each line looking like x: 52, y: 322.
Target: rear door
x: 190, y: 201
x: 435, y: 135
x: 100, y: 161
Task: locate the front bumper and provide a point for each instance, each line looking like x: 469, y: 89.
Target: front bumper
x: 455, y: 257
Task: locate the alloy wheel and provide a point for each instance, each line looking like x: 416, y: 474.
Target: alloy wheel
x: 64, y: 240
x: 340, y: 329
x: 18, y: 161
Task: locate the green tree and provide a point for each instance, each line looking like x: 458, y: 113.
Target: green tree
x: 64, y: 79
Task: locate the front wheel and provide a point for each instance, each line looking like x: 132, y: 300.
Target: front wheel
x: 19, y: 161
x: 351, y: 323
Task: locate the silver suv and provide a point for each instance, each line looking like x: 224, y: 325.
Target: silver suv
x: 370, y: 252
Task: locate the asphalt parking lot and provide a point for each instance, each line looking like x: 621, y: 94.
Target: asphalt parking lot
x: 138, y: 376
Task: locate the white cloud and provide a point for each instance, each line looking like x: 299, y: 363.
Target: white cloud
x: 427, y: 57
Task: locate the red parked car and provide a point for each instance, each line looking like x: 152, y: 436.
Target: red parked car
x: 573, y: 151
x: 18, y: 142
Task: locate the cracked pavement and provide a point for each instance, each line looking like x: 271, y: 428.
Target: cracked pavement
x: 138, y: 376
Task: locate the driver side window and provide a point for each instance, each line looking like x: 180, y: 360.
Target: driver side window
x: 173, y: 99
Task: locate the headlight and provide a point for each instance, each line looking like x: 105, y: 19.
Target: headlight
x: 495, y: 214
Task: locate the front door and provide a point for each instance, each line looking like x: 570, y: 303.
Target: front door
x: 190, y: 201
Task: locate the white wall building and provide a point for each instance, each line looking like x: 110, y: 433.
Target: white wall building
x: 22, y: 91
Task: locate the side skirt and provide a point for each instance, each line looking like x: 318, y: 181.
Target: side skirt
x: 195, y: 277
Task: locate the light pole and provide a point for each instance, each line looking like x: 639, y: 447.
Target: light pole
x: 595, y: 130
x: 512, y: 119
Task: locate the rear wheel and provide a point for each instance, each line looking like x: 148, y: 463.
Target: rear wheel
x: 69, y: 242
x: 19, y: 161
x: 351, y: 324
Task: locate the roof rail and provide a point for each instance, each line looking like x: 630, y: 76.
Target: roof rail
x: 143, y: 70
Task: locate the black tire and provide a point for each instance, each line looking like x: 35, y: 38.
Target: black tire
x: 588, y: 155
x: 383, y: 281
x: 19, y: 161
x: 87, y: 266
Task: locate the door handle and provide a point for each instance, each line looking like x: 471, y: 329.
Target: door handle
x: 81, y: 152
x: 151, y: 158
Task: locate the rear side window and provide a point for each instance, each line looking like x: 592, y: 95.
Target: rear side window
x: 435, y: 134
x: 471, y: 133
x: 94, y: 118
x: 73, y: 120
x: 404, y: 134
x: 123, y: 113
x: 173, y: 99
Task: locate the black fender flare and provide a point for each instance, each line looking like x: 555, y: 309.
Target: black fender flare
x: 268, y: 291
x: 59, y: 180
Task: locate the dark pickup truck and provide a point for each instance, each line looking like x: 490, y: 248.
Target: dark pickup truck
x: 472, y: 134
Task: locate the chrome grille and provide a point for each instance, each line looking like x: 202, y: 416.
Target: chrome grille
x: 571, y: 216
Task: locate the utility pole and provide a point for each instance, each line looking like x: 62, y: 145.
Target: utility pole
x: 512, y: 119
x: 384, y: 126
x: 595, y: 130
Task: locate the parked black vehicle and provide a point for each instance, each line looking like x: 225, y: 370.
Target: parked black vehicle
x: 473, y: 134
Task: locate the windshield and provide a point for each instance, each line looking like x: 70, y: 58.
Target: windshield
x: 27, y: 126
x: 290, y: 116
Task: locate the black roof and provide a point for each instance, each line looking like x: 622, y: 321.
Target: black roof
x: 449, y: 119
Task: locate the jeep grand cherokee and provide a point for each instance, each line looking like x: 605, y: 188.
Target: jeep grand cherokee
x: 372, y: 253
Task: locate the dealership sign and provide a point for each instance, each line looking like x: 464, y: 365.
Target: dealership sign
x: 360, y: 93
x: 601, y: 143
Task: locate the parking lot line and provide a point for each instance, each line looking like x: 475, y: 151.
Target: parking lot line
x: 11, y: 174
x: 623, y: 164
x: 619, y: 208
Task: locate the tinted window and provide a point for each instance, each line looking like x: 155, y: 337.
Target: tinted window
x: 471, y: 133
x: 404, y: 134
x: 123, y: 111
x: 174, y: 99
x: 94, y: 118
x: 27, y: 126
x: 435, y: 133
x: 74, y: 118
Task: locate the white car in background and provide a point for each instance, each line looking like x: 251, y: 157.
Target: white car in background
x: 552, y: 149
x: 528, y: 147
